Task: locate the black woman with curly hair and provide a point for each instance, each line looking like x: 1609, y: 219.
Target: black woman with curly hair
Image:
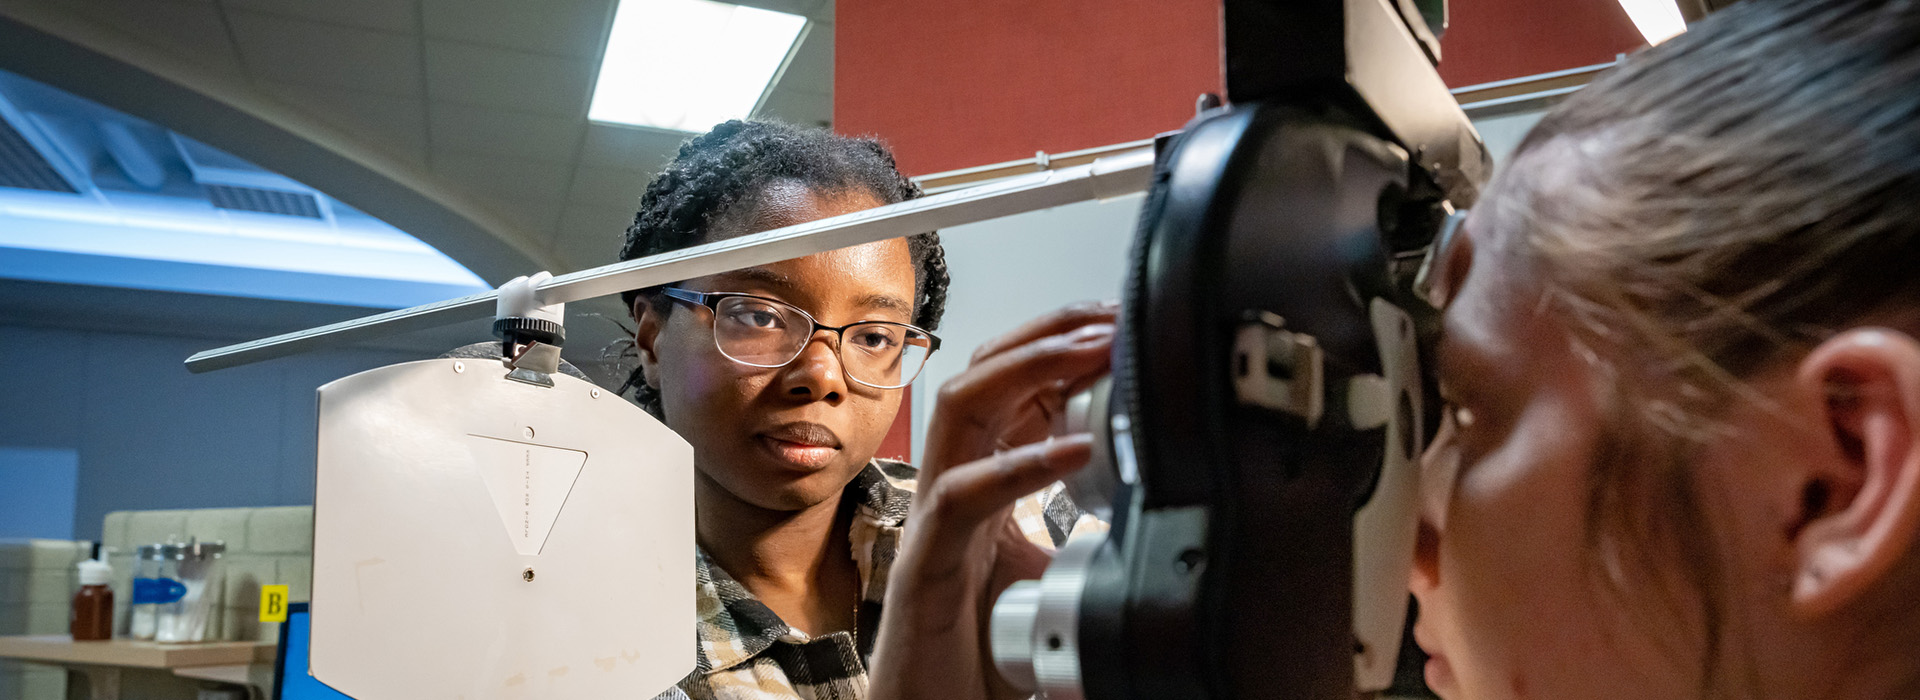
x: 785, y: 378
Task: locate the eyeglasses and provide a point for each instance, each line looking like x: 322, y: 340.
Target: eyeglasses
x: 761, y: 332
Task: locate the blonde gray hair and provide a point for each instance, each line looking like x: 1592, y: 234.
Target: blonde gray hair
x: 1712, y: 207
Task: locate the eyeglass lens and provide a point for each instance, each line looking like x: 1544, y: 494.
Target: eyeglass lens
x: 770, y: 334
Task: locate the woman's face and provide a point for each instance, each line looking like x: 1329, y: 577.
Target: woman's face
x: 1569, y: 549
x: 791, y: 437
x: 1509, y: 606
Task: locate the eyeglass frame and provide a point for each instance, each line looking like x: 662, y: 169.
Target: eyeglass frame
x: 711, y: 302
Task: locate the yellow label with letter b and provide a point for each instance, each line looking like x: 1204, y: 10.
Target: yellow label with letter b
x: 273, y: 603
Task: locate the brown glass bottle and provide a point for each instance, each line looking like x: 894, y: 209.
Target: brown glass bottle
x: 93, y: 605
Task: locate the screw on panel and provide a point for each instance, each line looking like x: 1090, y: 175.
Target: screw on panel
x: 527, y: 575
x: 594, y: 393
x: 1189, y: 560
x: 459, y: 367
x: 529, y: 431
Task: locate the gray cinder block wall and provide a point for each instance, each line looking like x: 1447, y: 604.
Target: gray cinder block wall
x: 265, y: 546
x: 37, y: 583
x: 38, y: 578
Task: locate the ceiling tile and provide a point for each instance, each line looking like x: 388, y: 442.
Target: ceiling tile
x: 384, y: 15
x: 394, y: 125
x: 811, y: 69
x: 796, y: 107
x: 608, y: 187
x: 591, y: 236
x: 804, y: 8
x: 630, y: 148
x: 497, y: 132
x: 295, y: 51
x: 572, y: 28
x: 533, y: 218
x: 189, y: 30
x: 514, y: 80
x: 488, y: 177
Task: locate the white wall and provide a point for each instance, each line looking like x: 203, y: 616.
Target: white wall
x: 1503, y: 133
x: 1007, y: 271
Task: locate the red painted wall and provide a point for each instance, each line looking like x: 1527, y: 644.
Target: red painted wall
x: 1492, y: 40
x: 899, y: 441
x: 958, y: 83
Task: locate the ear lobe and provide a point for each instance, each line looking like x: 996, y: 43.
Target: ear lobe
x: 1860, y: 510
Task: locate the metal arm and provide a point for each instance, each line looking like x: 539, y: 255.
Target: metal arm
x: 1104, y: 178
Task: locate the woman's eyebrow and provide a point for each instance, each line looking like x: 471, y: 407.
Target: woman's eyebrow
x: 762, y: 276
x: 770, y: 278
x: 885, y: 302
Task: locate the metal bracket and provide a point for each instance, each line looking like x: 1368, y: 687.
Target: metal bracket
x: 1277, y: 369
x: 535, y: 364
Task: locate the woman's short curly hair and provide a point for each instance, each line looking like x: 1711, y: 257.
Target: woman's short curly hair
x: 732, y: 165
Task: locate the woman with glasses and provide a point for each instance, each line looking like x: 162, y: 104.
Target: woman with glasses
x: 1682, y: 453
x: 785, y: 378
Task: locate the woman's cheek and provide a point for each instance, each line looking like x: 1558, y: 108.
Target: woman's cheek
x: 705, y: 390
x: 875, y: 416
x: 1516, y: 537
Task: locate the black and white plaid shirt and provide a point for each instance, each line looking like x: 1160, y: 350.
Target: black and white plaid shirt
x: 747, y: 653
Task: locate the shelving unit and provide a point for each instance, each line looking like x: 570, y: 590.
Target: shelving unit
x: 107, y: 665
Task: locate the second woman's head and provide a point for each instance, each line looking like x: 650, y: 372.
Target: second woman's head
x: 784, y: 377
x: 1683, y: 455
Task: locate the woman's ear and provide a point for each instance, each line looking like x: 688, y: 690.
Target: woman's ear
x: 646, y: 336
x: 1860, y: 503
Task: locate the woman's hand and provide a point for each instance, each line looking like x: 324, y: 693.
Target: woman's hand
x: 987, y: 447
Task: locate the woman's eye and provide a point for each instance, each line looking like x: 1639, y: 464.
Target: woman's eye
x: 1462, y: 416
x: 757, y: 318
x: 875, y: 339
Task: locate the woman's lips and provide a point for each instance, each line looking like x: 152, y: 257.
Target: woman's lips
x: 798, y: 454
x: 802, y: 444
x: 1438, y: 672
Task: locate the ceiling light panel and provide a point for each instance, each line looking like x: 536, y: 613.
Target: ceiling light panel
x: 687, y: 65
x: 1657, y: 20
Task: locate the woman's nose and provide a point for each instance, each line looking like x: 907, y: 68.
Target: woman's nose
x: 817, y: 373
x: 1438, y: 467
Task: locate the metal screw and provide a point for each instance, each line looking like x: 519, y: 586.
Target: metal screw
x: 1189, y: 560
x: 527, y: 575
x: 459, y: 367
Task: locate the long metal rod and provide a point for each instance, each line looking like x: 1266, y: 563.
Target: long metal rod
x: 1112, y: 176
x: 1041, y: 160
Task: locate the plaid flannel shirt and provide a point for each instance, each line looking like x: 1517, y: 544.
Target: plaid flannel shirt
x: 747, y: 653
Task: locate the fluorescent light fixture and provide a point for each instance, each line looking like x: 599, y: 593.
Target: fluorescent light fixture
x: 1658, y: 20
x: 689, y: 64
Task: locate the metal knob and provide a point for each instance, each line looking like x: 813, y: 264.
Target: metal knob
x: 1011, y: 632
x: 1035, y: 626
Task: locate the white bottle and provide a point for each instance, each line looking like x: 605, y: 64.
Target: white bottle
x: 149, y: 587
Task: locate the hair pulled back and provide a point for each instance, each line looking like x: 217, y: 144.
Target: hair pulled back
x: 1717, y: 204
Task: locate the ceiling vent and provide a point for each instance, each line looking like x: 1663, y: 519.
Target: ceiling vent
x: 22, y: 163
x: 236, y: 185
x: 265, y: 201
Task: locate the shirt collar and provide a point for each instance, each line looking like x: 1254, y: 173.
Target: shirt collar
x: 735, y: 626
